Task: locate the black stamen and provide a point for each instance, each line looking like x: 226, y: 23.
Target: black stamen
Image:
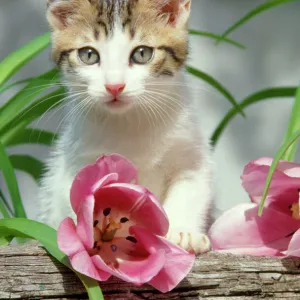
x: 113, y: 248
x: 106, y: 211
x: 124, y: 220
x: 96, y: 222
x: 290, y: 206
x: 131, y: 239
x: 95, y: 245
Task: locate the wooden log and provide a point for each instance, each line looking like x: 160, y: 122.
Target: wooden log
x: 28, y: 272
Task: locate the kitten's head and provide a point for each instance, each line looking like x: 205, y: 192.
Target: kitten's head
x: 115, y: 51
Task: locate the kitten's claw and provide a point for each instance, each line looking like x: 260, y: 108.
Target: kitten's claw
x: 192, y: 242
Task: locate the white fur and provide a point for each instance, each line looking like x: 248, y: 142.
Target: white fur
x: 161, y: 137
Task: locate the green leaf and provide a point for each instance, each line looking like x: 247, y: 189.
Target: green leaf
x: 11, y: 182
x: 92, y: 287
x: 24, y: 97
x: 47, y: 236
x: 9, y: 86
x: 280, y: 153
x: 31, y: 136
x: 12, y: 63
x: 3, y: 209
x: 5, y: 241
x: 294, y: 125
x: 259, y: 9
x: 34, y: 111
x: 215, y: 84
x: 268, y: 94
x: 28, y: 164
x: 214, y: 37
x: 6, y: 204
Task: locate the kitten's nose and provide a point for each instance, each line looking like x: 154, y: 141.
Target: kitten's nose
x: 115, y: 89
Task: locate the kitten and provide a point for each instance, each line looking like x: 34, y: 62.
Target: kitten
x: 123, y: 61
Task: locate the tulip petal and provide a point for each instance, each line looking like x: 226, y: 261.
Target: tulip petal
x: 86, y: 182
x: 107, y: 169
x: 289, y: 168
x: 294, y: 246
x: 85, y: 228
x: 116, y: 163
x: 178, y: 262
x: 135, y: 201
x: 255, y: 174
x: 241, y: 227
x: 134, y: 270
x: 67, y: 238
x: 83, y: 263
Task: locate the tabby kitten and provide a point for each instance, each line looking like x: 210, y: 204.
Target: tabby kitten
x: 122, y: 61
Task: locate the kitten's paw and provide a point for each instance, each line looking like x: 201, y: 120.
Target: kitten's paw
x: 193, y: 242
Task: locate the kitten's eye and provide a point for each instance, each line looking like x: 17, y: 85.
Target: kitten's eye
x: 142, y: 55
x: 89, y: 56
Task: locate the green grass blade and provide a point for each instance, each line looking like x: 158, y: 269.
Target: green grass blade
x: 92, y: 287
x: 12, y: 63
x: 215, y: 37
x: 3, y: 209
x: 26, y: 96
x: 294, y: 125
x: 34, y: 167
x: 218, y: 86
x: 47, y: 236
x: 279, y: 155
x: 11, y: 182
x: 5, y: 241
x: 31, y: 136
x: 31, y: 113
x: 268, y: 94
x: 5, y: 202
x: 9, y: 86
x: 258, y: 10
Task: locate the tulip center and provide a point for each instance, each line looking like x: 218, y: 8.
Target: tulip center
x: 111, y: 235
x: 295, y: 211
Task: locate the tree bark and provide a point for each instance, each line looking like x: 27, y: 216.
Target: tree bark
x: 28, y: 272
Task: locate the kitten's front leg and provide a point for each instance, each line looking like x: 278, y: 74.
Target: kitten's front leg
x: 188, y: 206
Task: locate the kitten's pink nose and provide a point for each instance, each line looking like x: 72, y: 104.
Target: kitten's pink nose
x: 115, y: 89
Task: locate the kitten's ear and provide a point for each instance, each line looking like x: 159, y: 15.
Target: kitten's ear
x: 61, y: 12
x: 178, y: 11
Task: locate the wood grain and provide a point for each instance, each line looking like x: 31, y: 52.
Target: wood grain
x: 29, y: 273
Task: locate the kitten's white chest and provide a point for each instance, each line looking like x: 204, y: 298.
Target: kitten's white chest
x: 144, y: 151
x: 150, y: 173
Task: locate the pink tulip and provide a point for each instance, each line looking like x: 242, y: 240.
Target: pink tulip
x: 120, y: 229
x: 241, y: 231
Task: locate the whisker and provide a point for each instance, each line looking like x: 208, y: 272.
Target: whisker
x: 157, y: 102
x: 175, y: 104
x: 74, y: 110
x: 157, y: 109
x: 47, y: 99
x: 59, y: 109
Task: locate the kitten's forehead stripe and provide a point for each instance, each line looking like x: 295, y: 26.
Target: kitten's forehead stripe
x: 105, y: 28
x: 110, y: 10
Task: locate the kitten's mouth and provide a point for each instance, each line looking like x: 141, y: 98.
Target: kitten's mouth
x: 115, y: 103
